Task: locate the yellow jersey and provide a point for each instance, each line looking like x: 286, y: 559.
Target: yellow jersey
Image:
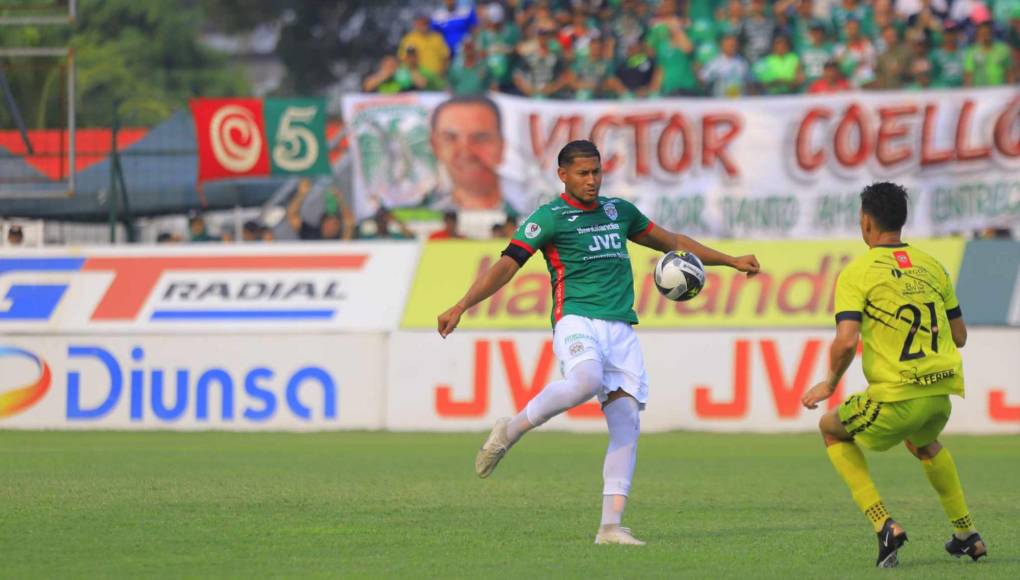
x: 904, y: 300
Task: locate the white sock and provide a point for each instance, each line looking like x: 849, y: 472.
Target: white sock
x: 580, y: 384
x: 612, y: 509
x: 622, y: 417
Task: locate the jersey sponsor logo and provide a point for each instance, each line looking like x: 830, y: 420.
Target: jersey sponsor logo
x: 601, y: 228
x: 532, y: 230
x: 19, y: 398
x: 571, y: 218
x: 610, y: 210
x: 605, y: 242
x: 576, y: 348
x: 579, y: 336
x: 902, y: 260
x: 929, y: 378
x: 136, y: 282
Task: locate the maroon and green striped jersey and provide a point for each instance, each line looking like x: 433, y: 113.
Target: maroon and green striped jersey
x: 585, y: 249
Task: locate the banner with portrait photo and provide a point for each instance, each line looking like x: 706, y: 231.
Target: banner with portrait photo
x: 767, y: 167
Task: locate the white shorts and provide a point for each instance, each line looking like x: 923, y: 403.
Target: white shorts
x: 610, y: 342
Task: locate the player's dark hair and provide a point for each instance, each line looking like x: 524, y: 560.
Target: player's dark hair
x: 469, y: 100
x: 575, y: 150
x: 886, y: 203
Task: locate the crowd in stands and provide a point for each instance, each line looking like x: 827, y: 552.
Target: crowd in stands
x: 585, y: 49
x: 319, y: 214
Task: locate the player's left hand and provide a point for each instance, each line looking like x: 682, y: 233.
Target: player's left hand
x: 747, y: 264
x: 816, y: 394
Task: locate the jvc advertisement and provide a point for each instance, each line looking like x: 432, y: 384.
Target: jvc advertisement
x: 729, y: 381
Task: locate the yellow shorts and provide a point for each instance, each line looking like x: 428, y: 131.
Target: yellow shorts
x: 879, y: 426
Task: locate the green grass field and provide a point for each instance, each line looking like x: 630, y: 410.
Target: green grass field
x: 377, y: 504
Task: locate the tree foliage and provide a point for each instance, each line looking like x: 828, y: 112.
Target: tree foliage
x: 142, y: 57
x: 319, y: 41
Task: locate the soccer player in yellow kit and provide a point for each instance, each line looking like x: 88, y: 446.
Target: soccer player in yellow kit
x: 902, y: 302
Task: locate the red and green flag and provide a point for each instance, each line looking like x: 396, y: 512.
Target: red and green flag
x: 240, y: 138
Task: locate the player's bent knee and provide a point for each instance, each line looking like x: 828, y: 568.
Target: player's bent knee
x: 832, y: 429
x: 926, y: 452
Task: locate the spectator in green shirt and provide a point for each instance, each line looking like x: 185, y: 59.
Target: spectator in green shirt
x: 988, y: 62
x: 815, y: 53
x: 703, y: 9
x: 849, y: 10
x: 920, y: 75
x: 592, y: 69
x: 1013, y: 39
x: 394, y: 77
x: 780, y: 72
x: 469, y: 74
x: 382, y: 81
x: 496, y: 40
x: 676, y: 67
x: 803, y: 23
x: 663, y: 24
x: 733, y: 17
x: 1013, y: 36
x: 540, y: 72
x: 947, y: 61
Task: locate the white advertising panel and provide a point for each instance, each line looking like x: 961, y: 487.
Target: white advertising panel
x: 209, y: 288
x: 226, y: 382
x: 703, y: 381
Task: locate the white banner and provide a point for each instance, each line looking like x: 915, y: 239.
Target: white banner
x: 293, y: 383
x: 702, y: 381
x: 359, y: 286
x: 776, y: 167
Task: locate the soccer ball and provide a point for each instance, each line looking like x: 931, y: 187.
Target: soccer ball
x: 679, y: 276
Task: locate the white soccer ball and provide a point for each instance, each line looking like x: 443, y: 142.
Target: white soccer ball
x: 679, y: 276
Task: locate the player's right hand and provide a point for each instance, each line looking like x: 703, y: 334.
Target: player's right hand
x: 748, y: 264
x: 816, y: 394
x: 449, y: 320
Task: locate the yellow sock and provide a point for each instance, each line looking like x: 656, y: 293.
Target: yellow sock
x: 853, y: 468
x: 941, y: 472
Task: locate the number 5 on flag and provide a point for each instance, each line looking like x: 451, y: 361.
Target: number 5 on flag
x: 296, y: 131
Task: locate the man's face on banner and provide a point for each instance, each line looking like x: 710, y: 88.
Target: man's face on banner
x: 467, y: 142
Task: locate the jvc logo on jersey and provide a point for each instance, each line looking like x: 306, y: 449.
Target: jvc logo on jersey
x: 605, y: 242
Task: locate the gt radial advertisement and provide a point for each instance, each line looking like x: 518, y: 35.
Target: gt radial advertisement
x: 316, y: 382
x: 353, y: 286
x: 748, y: 381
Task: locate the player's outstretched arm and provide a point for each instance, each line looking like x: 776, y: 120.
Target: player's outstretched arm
x: 486, y: 285
x: 841, y: 354
x: 666, y: 241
